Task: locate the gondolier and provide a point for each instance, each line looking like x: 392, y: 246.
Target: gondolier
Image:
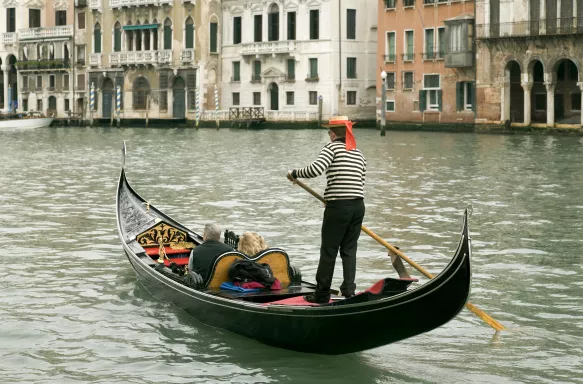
x: 345, y: 168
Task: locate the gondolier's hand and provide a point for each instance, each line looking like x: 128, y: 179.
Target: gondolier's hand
x: 290, y: 176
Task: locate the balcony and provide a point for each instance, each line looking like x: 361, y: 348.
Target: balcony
x: 312, y: 78
x: 95, y: 4
x: 138, y: 3
x: 165, y: 57
x: 256, y: 78
x: 95, y: 59
x: 133, y: 58
x: 187, y: 56
x: 9, y: 38
x: 269, y: 47
x: 433, y: 55
x: 43, y: 64
x: 390, y: 58
x: 45, y: 32
x: 409, y: 56
x: 524, y: 29
x: 80, y: 3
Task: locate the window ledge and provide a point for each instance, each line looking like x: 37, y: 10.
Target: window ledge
x: 409, y: 7
x: 312, y: 79
x: 407, y: 89
x: 390, y: 9
x: 435, y: 111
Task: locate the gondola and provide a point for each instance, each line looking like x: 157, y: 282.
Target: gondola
x: 158, y: 247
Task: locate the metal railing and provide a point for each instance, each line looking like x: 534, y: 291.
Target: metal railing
x: 391, y: 57
x: 433, y: 55
x: 548, y: 27
x: 255, y: 78
x: 409, y: 56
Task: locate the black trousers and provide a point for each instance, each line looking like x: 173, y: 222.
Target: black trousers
x: 340, y: 231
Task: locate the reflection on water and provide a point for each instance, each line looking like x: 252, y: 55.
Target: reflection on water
x: 72, y: 310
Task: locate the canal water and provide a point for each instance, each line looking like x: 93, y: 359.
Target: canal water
x: 72, y: 311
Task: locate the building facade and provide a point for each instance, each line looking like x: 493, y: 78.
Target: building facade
x: 36, y: 54
x: 426, y: 49
x: 285, y: 56
x: 162, y: 54
x: 530, y: 54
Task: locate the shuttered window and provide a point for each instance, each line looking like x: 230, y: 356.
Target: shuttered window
x: 258, y: 28
x: 291, y: 69
x: 314, y: 24
x: 214, y: 38
x: 351, y: 24
x: 273, y: 23
x: 189, y: 32
x: 465, y: 96
x: 291, y: 25
x: 313, y: 68
x: 351, y: 67
x: 10, y: 19
x: 167, y: 34
x: 237, y: 30
x: 97, y: 38
x: 117, y: 38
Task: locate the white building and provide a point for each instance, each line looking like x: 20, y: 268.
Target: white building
x: 284, y: 55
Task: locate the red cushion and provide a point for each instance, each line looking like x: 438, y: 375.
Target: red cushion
x: 153, y: 251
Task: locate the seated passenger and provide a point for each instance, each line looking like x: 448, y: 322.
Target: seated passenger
x: 203, y: 256
x: 251, y: 243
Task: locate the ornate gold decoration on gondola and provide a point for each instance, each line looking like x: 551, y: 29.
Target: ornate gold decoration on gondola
x: 147, y: 204
x: 161, y: 233
x: 162, y: 253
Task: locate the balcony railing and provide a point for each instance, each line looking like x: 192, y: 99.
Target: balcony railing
x: 433, y: 55
x: 9, y: 38
x: 95, y: 59
x: 187, y: 56
x: 409, y: 56
x: 43, y: 64
x: 255, y: 78
x: 269, y: 47
x: 165, y: 57
x: 45, y: 32
x: 390, y: 58
x: 552, y: 27
x: 95, y: 4
x: 133, y: 58
x: 137, y: 3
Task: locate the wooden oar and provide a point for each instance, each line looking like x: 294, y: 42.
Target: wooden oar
x: 478, y: 312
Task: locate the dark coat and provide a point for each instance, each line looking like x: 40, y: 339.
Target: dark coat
x: 203, y: 257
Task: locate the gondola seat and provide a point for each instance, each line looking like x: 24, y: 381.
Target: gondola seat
x: 277, y: 259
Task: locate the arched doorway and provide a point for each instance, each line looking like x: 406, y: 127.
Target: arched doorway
x: 52, y: 110
x: 12, y: 96
x: 567, y: 93
x: 274, y: 95
x: 178, y: 102
x: 538, y: 95
x: 107, y: 102
x: 2, y: 95
x: 514, y: 94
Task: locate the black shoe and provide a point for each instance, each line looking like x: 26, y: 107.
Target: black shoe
x: 312, y: 298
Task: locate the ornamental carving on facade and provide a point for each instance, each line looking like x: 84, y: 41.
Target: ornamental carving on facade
x: 10, y: 3
x: 34, y: 4
x: 61, y: 5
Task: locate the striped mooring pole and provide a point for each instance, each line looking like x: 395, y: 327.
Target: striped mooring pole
x: 118, y: 102
x: 217, y: 105
x: 197, y: 101
x: 91, y: 102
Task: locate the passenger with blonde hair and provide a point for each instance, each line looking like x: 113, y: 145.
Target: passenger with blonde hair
x: 251, y: 243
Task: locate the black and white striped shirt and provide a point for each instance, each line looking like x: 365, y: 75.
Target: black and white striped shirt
x: 345, y: 171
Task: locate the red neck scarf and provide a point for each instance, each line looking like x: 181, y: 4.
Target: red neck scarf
x: 350, y: 140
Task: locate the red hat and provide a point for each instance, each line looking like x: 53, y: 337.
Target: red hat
x: 342, y: 121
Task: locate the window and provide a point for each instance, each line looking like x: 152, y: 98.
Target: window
x: 390, y: 4
x: 390, y: 80
x: 408, y: 80
x: 291, y: 69
x: 39, y: 105
x: 24, y: 82
x: 314, y: 24
x: 391, y: 47
x: 256, y: 98
x: 81, y: 54
x: 66, y: 81
x: 351, y: 24
x: 313, y: 69
x: 540, y: 101
x: 575, y: 102
x: 34, y: 18
x: 81, y: 82
x: 67, y: 105
x: 273, y: 24
x: 289, y: 97
x: 167, y: 34
x: 163, y: 102
x: 431, y: 93
x: 97, y: 38
x: 351, y: 98
x: 189, y: 33
x: 39, y: 82
x: 117, y: 37
x: 191, y: 93
x: 257, y: 28
x: 313, y: 97
x: 237, y: 30
x: 256, y: 76
x: 440, y: 42
x: 351, y: 67
x: 25, y: 105
x: 291, y: 25
x: 390, y: 106
x: 81, y: 20
x: 236, y: 71
x: 10, y: 19
x: 236, y: 98
x: 141, y: 90
x: 51, y: 82
x: 464, y: 96
x: 214, y: 38
x: 409, y: 46
x: 429, y: 44
x: 408, y: 3
x: 460, y: 37
x: 60, y: 18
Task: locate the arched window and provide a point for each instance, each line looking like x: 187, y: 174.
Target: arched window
x: 147, y: 35
x: 189, y: 31
x: 97, y: 38
x: 273, y: 23
x: 117, y: 37
x: 138, y: 37
x: 140, y: 92
x: 167, y: 34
